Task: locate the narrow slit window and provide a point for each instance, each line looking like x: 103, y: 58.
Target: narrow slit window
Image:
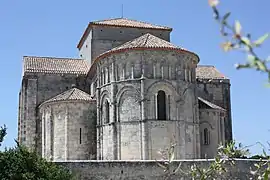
x: 80, y: 135
x: 107, y: 113
x: 206, y: 134
x: 161, y: 105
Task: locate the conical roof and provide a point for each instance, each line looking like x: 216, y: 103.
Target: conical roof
x: 146, y: 41
x: 69, y: 95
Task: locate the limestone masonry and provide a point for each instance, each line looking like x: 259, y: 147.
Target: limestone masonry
x: 130, y: 96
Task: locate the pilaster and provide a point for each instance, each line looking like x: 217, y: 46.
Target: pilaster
x: 30, y: 113
x: 113, y: 112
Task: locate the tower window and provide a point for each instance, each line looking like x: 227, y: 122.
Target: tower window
x: 206, y: 134
x: 161, y: 105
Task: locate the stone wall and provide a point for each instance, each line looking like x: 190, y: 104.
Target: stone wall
x: 132, y: 129
x: 218, y: 92
x: 212, y: 131
x: 37, y: 88
x: 148, y: 170
x: 69, y: 130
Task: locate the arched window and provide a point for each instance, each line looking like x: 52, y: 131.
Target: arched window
x: 206, y: 135
x: 107, y: 112
x: 161, y: 105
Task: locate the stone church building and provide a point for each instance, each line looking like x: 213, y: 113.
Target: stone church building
x: 129, y: 96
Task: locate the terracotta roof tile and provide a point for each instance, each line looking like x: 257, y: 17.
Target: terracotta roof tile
x: 73, y: 94
x: 124, y: 22
x: 33, y: 64
x: 208, y: 72
x: 146, y: 41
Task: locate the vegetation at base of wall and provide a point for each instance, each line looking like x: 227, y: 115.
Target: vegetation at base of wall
x: 20, y: 164
x: 217, y: 169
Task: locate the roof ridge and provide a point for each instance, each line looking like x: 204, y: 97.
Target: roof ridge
x: 72, y: 92
x: 106, y: 20
x: 134, y: 20
x: 53, y: 57
x: 147, y: 37
x: 205, y: 65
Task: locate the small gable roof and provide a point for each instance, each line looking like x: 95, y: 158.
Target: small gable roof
x: 146, y: 41
x: 208, y: 72
x: 73, y: 94
x: 210, y: 105
x: 34, y: 64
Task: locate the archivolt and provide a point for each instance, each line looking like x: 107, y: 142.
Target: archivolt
x: 168, y: 87
x: 103, y: 95
x: 206, y: 122
x: 122, y: 91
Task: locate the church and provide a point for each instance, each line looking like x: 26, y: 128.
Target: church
x: 129, y: 96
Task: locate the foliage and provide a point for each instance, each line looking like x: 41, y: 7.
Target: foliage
x: 20, y: 164
x: 236, y: 39
x: 3, y: 131
x: 223, y: 162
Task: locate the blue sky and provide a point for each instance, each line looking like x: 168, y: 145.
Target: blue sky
x: 53, y: 28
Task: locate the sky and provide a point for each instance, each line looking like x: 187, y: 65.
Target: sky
x: 53, y: 28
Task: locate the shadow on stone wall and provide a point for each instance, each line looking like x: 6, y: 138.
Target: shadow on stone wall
x: 135, y: 170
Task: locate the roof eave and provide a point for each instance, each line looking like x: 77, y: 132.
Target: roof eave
x: 85, y: 34
x: 146, y: 48
x: 66, y: 101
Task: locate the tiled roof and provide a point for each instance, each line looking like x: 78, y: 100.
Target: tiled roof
x: 71, y: 95
x: 124, y: 22
x: 146, y: 41
x: 208, y: 72
x: 211, y: 105
x: 35, y: 64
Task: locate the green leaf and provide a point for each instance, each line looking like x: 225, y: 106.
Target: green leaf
x: 246, y: 40
x: 264, y: 153
x: 265, y: 177
x: 252, y: 60
x: 261, y: 66
x: 259, y: 41
x: 225, y: 17
x: 171, y: 157
x: 237, y: 27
